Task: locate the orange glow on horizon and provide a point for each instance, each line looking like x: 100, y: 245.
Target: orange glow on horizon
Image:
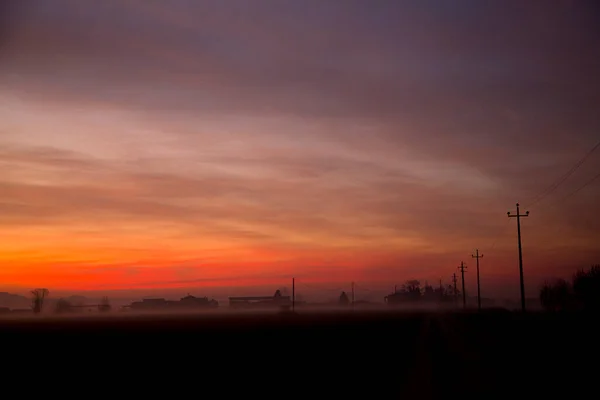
x: 221, y: 154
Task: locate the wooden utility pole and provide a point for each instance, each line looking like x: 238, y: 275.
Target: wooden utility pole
x: 478, y: 256
x: 455, y: 290
x: 293, y: 294
x: 518, y: 217
x: 462, y: 273
x: 352, y: 294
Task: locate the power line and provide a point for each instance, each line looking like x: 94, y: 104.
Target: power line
x: 560, y: 201
x: 580, y: 188
x: 462, y: 273
x: 455, y: 290
x: 564, y: 177
x: 519, y: 216
x: 478, y: 256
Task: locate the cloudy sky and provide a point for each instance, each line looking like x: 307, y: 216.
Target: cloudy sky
x: 147, y: 143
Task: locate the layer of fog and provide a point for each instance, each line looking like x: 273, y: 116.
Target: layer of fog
x: 225, y: 311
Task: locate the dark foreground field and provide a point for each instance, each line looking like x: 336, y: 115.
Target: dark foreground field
x: 353, y: 353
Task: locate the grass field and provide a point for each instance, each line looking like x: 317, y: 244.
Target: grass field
x: 432, y: 354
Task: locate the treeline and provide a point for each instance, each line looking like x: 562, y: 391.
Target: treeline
x: 582, y: 293
x: 412, y: 291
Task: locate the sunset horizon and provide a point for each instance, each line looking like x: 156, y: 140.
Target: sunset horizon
x: 202, y: 147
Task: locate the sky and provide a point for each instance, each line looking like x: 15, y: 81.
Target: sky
x: 231, y: 144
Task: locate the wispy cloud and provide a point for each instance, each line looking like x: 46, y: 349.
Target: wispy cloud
x: 364, y: 135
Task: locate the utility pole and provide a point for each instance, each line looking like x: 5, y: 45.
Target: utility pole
x: 462, y: 273
x: 455, y: 291
x: 478, y: 256
x: 518, y: 217
x: 352, y: 295
x: 293, y: 294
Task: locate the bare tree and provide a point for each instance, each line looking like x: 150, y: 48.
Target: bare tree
x: 582, y: 293
x: 556, y: 296
x: 38, y: 297
x: 412, y: 289
x: 586, y: 288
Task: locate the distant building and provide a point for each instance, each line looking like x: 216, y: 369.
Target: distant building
x: 187, y: 302
x: 276, y: 300
x: 194, y: 302
x: 148, y: 304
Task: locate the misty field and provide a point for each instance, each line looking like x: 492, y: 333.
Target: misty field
x: 427, y: 352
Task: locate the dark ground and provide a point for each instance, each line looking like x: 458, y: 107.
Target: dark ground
x: 354, y: 355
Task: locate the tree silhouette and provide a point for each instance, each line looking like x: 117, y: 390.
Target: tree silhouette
x: 412, y: 286
x: 429, y: 293
x: 556, y: 296
x: 444, y: 294
x: 582, y: 294
x: 38, y: 297
x: 412, y: 289
x: 586, y: 288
